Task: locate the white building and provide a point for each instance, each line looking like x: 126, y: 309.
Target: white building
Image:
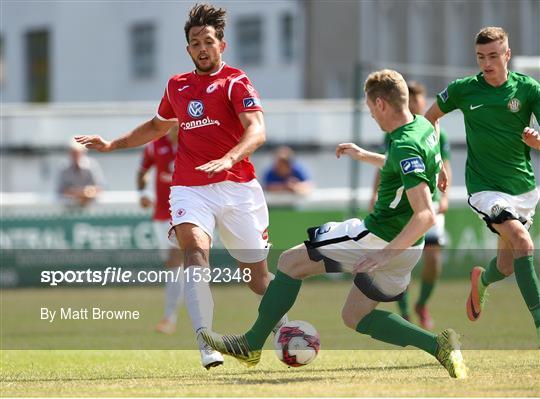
x: 426, y: 40
x: 108, y: 56
x: 125, y: 51
x: 64, y: 51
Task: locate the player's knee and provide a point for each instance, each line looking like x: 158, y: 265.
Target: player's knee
x: 195, y: 256
x: 295, y: 263
x: 522, y: 244
x: 506, y: 267
x: 431, y: 271
x: 437, y: 271
x: 350, y: 319
x: 286, y: 263
x: 258, y: 285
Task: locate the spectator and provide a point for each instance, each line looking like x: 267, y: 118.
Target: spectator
x: 287, y: 175
x: 81, y: 181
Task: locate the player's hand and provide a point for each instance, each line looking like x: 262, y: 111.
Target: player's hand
x: 531, y: 137
x: 349, y: 149
x: 165, y: 177
x: 442, y: 180
x: 216, y: 166
x: 94, y: 143
x: 145, y: 202
x: 89, y: 192
x: 371, y: 261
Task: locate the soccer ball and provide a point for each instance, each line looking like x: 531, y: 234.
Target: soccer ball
x: 297, y: 343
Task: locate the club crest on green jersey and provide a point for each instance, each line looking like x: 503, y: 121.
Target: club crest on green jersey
x: 514, y: 105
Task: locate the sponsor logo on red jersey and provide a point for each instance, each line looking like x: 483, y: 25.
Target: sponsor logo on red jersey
x: 195, y: 109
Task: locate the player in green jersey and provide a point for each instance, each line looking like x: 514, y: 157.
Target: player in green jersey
x: 435, y: 237
x: 497, y: 106
x: 381, y: 251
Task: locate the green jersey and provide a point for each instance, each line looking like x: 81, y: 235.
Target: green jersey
x: 497, y: 158
x: 444, y: 146
x: 413, y: 157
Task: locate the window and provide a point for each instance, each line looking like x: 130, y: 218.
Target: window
x: 249, y: 38
x: 287, y: 37
x: 143, y: 50
x: 37, y: 66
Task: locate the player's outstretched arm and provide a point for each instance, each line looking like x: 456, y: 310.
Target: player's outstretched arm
x: 148, y: 131
x: 531, y: 137
x: 422, y: 219
x: 360, y: 154
x: 254, y: 136
x: 433, y: 115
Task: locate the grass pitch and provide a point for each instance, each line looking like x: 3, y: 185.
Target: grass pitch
x: 333, y: 373
x: 347, y: 371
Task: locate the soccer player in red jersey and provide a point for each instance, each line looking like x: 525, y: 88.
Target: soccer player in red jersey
x: 160, y: 155
x: 221, y: 124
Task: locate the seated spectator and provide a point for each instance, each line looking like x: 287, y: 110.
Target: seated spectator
x: 287, y: 175
x: 82, y: 180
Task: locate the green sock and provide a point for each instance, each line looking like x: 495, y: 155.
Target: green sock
x: 403, y: 304
x: 528, y: 285
x: 393, y: 329
x: 492, y: 274
x: 278, y: 299
x: 425, y: 292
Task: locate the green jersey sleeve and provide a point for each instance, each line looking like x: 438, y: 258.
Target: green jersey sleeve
x: 447, y: 99
x: 410, y: 165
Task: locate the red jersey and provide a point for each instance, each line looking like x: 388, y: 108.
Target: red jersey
x: 160, y: 153
x: 207, y: 108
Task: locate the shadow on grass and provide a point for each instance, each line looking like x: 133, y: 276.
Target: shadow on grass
x: 235, y: 377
